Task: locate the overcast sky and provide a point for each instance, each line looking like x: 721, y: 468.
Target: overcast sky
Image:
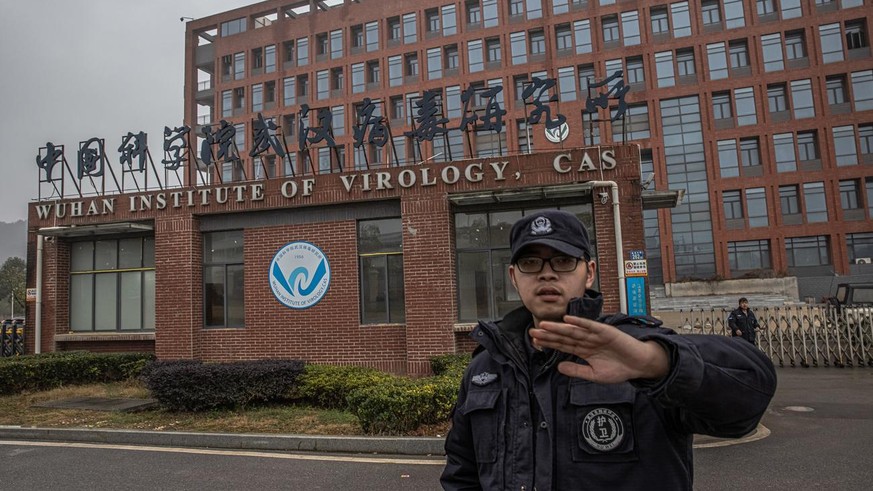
x: 71, y: 70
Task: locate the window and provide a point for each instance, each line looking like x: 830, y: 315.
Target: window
x: 567, y: 84
x: 537, y: 43
x: 790, y: 9
x: 750, y: 152
x: 789, y: 201
x: 516, y: 8
x: 850, y: 195
x: 786, y: 158
x: 807, y: 146
x: 739, y: 53
x: 434, y: 63
x: 585, y: 73
x: 814, y: 201
x: 771, y: 45
x: 630, y: 26
x: 734, y: 14
x: 449, y: 19
x: 563, y: 37
x: 721, y: 105
x: 862, y: 90
x: 611, y: 33
x: 474, y: 13
x: 728, y: 162
x: 432, y: 20
x: 270, y: 59
x: 795, y: 45
x: 302, y: 51
x: 322, y: 84
x: 717, y: 58
x: 636, y: 123
x: 394, y: 29
x: 756, y: 207
x: 518, y: 47
x: 226, y: 103
x: 859, y: 245
x: 534, y: 9
x: 836, y: 89
x: 844, y: 145
x: 801, y: 99
x: 395, y: 71
x: 373, y: 72
x: 451, y: 54
x: 749, y: 255
x: 112, y: 285
x: 380, y: 255
x: 358, y: 82
x: 411, y: 61
x: 807, y: 251
x: 289, y: 91
x: 660, y: 21
x: 685, y: 62
x: 582, y: 32
x: 371, y: 32
x: 865, y: 136
x: 492, y: 50
x: 474, y: 56
x: 489, y: 13
x: 223, y: 279
x: 257, y: 98
x: 232, y: 27
x: 831, y: 43
x: 322, y: 45
x: 635, y: 72
x: 239, y: 66
x: 482, y: 240
x: 664, y: 69
x: 409, y: 29
x: 776, y: 98
x: 745, y: 101
x: 733, y: 205
x: 681, y: 19
x: 856, y: 35
x: 357, y: 34
x: 338, y: 122
x: 336, y: 44
x: 709, y: 9
x: 868, y: 185
x: 765, y: 7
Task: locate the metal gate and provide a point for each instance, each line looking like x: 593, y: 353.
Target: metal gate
x: 807, y: 336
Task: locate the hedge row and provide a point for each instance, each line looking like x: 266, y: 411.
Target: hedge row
x: 193, y: 386
x: 383, y: 403
x: 47, y: 371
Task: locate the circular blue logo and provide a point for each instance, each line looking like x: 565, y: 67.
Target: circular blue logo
x: 299, y: 275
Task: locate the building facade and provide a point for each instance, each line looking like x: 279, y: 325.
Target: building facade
x: 759, y: 113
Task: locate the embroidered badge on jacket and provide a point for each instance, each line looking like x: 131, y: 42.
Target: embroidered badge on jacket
x: 484, y: 378
x: 603, y: 429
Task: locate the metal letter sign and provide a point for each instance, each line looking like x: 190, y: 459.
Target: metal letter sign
x: 175, y: 146
x: 264, y: 136
x: 429, y: 125
x: 134, y: 150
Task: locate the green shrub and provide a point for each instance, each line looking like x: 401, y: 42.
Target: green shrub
x: 328, y: 386
x: 452, y: 364
x: 402, y: 405
x: 50, y: 370
x: 192, y: 386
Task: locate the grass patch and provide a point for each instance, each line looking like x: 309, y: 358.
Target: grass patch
x: 17, y: 410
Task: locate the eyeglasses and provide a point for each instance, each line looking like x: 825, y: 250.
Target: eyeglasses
x: 559, y: 264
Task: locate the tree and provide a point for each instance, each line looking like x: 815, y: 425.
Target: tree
x: 12, y: 279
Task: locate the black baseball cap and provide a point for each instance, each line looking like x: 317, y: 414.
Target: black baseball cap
x: 557, y: 229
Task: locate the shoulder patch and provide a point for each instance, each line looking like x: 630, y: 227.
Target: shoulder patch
x: 484, y: 378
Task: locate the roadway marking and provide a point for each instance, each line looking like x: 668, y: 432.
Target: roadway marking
x: 761, y: 432
x: 232, y: 453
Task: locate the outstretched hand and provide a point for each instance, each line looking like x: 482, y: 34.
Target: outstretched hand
x: 612, y: 356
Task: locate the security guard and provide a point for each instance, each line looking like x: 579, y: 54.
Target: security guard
x: 554, y: 399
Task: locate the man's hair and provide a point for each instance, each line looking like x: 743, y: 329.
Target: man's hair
x: 743, y: 299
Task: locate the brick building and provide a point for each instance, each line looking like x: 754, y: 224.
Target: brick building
x: 759, y: 112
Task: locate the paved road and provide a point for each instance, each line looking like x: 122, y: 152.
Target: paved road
x: 829, y: 447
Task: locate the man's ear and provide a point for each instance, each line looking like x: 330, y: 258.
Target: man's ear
x: 512, y: 276
x: 592, y: 270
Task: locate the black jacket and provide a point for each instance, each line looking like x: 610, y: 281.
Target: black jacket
x: 521, y: 425
x: 745, y: 322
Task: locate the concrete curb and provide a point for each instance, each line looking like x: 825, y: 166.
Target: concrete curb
x: 242, y: 441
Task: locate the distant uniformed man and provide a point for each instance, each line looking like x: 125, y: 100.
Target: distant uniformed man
x: 743, y: 322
